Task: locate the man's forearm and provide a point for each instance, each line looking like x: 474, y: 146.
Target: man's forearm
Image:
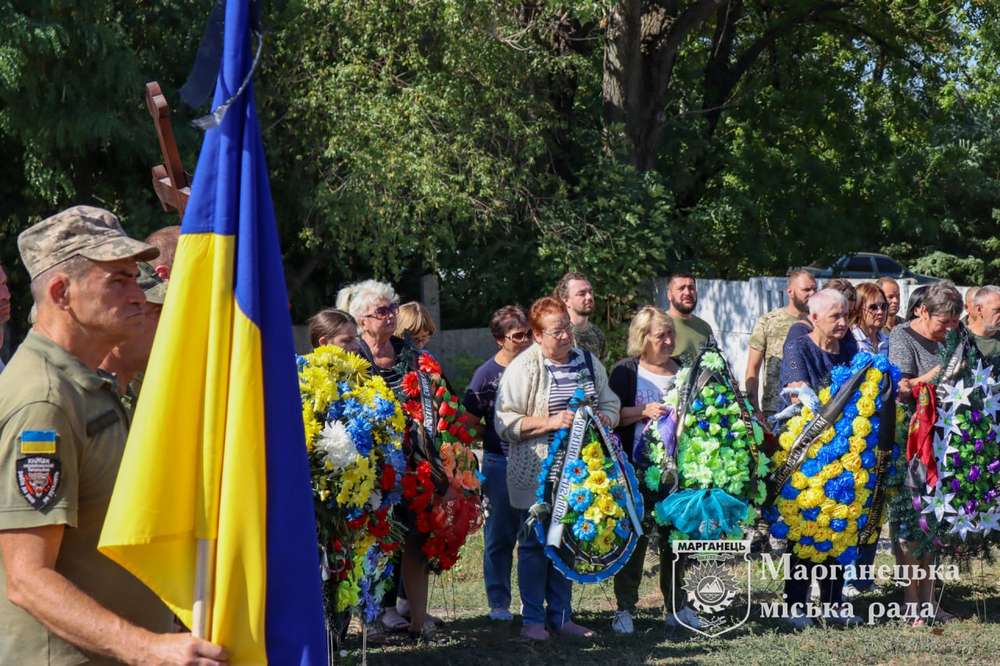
x: 75, y: 617
x: 751, y: 391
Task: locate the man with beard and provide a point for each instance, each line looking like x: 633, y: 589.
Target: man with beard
x: 691, y: 332
x: 984, y: 322
x: 575, y: 291
x: 768, y: 338
x: 890, y: 288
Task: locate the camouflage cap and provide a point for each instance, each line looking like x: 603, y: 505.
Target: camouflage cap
x: 86, y: 231
x: 152, y: 284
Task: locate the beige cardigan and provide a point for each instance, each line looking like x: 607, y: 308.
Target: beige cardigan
x: 524, y: 391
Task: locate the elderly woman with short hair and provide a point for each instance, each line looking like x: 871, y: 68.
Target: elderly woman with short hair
x: 914, y: 348
x: 807, y: 362
x: 531, y: 407
x: 809, y: 358
x: 375, y: 306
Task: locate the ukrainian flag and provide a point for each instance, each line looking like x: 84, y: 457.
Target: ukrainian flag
x: 215, y: 463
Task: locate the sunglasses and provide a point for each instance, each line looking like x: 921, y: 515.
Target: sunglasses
x: 518, y: 336
x: 877, y: 307
x: 384, y: 311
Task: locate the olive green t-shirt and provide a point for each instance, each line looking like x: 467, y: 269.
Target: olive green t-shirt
x: 62, y: 435
x: 588, y: 336
x: 988, y: 346
x: 690, y: 335
x: 768, y: 337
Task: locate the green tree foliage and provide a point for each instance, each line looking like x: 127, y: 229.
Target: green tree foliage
x: 501, y: 143
x: 73, y: 125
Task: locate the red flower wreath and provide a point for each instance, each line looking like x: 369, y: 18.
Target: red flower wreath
x: 445, y: 520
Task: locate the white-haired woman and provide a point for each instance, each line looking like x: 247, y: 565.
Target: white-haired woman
x: 375, y: 306
x: 807, y: 362
x: 808, y: 359
x: 641, y: 381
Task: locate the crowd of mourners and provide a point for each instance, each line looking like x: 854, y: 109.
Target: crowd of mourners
x: 522, y: 391
x: 68, y: 392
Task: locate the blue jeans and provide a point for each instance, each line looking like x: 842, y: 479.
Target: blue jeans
x: 866, y: 557
x: 541, y: 583
x: 500, y: 532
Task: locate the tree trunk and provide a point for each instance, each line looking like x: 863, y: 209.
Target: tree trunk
x: 642, y: 42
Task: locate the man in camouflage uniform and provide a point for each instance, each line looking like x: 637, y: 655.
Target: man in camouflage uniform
x: 128, y: 360
x: 768, y: 338
x: 575, y: 291
x: 62, y: 436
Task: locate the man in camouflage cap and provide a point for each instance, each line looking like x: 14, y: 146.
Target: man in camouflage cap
x: 62, y: 435
x: 127, y: 361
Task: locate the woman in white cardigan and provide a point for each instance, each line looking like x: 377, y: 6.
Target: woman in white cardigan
x: 531, y: 406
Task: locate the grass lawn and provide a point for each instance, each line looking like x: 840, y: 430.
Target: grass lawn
x: 470, y: 638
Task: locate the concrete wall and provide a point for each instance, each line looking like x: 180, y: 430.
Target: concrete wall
x: 471, y: 343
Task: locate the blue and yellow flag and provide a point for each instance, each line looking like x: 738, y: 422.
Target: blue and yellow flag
x: 216, y: 451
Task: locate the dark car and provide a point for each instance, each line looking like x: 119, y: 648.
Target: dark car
x: 869, y: 266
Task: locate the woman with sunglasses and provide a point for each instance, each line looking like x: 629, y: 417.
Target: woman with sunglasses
x: 532, y: 405
x: 510, y: 330
x: 375, y: 306
x: 868, y: 319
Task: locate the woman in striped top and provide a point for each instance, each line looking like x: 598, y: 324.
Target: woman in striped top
x: 531, y: 406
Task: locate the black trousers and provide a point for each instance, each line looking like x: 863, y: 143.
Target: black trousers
x: 831, y: 582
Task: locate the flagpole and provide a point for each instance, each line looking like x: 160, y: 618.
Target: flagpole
x: 201, y: 610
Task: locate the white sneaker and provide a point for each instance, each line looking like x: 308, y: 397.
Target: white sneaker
x: 403, y: 607
x: 501, y: 615
x: 851, y: 592
x: 798, y: 621
x: 622, y: 624
x: 685, y: 615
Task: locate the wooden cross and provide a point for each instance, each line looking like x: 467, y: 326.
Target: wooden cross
x: 171, y: 183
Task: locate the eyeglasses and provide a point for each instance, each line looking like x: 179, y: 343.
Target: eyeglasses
x: 384, y: 311
x: 518, y: 336
x: 558, y: 333
x: 877, y: 307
